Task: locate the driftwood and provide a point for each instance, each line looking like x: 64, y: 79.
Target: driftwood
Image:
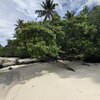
x: 65, y: 66
x: 83, y: 63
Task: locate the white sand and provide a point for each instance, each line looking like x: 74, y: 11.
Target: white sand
x: 48, y: 81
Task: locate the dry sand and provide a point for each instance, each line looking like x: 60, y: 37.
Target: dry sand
x: 48, y: 81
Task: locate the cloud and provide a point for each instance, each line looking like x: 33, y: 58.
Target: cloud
x: 11, y: 10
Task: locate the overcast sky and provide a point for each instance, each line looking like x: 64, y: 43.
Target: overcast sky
x: 11, y: 10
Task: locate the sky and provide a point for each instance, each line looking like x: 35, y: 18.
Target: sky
x: 12, y: 10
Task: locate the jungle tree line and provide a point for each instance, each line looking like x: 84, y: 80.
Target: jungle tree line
x: 71, y: 37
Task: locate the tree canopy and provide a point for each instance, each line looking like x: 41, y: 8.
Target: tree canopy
x: 74, y: 37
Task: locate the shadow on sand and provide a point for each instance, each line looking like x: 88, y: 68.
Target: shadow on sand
x: 20, y: 75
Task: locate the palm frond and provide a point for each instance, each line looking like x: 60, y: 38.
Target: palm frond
x: 40, y: 13
x: 48, y: 9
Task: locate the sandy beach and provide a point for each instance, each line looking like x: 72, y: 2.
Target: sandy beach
x: 49, y: 81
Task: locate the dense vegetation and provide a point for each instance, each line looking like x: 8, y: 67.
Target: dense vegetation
x: 72, y: 37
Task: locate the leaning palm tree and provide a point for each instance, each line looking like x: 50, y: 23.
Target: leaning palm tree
x: 48, y: 10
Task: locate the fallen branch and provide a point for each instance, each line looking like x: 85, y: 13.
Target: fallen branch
x: 65, y: 66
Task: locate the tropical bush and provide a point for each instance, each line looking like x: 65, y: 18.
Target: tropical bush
x: 72, y: 37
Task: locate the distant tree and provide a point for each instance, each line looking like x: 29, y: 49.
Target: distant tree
x: 1, y: 51
x: 69, y: 14
x: 0, y: 46
x: 19, y: 24
x: 94, y: 17
x: 48, y: 9
x: 85, y: 10
x: 79, y: 37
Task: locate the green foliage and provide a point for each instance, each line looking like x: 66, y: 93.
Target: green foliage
x: 69, y: 15
x: 94, y: 17
x: 1, y: 50
x: 48, y: 11
x: 75, y: 37
x: 79, y: 37
x: 38, y: 40
x: 85, y: 11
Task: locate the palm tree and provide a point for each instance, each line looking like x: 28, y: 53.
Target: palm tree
x: 85, y: 11
x: 19, y: 24
x: 69, y: 14
x: 48, y: 9
x: 19, y: 34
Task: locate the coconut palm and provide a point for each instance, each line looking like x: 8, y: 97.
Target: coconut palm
x: 48, y: 10
x: 19, y: 24
x: 69, y: 14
